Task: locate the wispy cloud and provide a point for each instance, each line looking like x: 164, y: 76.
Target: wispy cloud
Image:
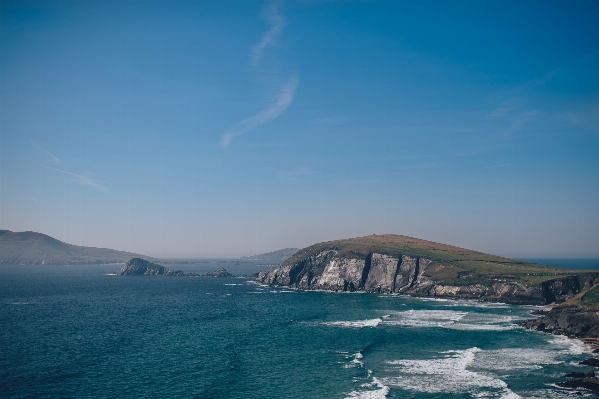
x: 277, y: 23
x: 282, y: 101
x: 85, y: 180
x: 51, y: 158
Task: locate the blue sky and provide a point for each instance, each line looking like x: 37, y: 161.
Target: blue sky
x: 209, y: 128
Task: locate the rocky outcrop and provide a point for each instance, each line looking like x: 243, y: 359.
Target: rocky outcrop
x: 219, y: 273
x: 328, y: 269
x: 590, y: 383
x: 573, y: 321
x: 140, y: 267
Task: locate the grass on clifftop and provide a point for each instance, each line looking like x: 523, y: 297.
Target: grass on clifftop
x: 452, y: 264
x: 591, y: 297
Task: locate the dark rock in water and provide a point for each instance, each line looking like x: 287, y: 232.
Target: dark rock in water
x: 580, y: 375
x: 140, y: 267
x: 219, y: 273
x: 590, y: 383
x: 596, y: 351
x: 573, y: 321
x: 593, y: 362
x: 575, y: 375
x: 252, y: 275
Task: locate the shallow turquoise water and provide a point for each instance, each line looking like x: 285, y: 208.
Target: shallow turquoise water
x: 78, y: 332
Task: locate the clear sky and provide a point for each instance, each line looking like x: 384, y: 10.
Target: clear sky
x: 223, y: 128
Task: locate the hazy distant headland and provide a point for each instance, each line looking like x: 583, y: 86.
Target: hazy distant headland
x: 31, y: 248
x: 273, y: 257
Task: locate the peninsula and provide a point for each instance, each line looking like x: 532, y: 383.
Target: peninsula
x: 404, y: 265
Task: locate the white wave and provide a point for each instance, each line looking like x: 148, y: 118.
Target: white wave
x: 425, y: 318
x: 435, y: 299
x: 354, y: 324
x: 232, y: 284
x: 357, y: 358
x: 479, y: 327
x: 558, y: 393
x: 453, y: 320
x: 446, y: 375
x: 380, y: 392
x: 571, y: 345
x: 514, y: 359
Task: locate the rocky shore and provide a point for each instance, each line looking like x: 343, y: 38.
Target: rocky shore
x: 571, y: 320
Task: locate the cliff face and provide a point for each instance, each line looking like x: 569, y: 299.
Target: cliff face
x: 328, y: 269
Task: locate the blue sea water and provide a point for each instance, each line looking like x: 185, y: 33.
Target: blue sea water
x: 78, y: 332
x: 568, y: 263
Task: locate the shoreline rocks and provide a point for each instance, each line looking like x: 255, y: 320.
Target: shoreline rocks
x: 570, y: 320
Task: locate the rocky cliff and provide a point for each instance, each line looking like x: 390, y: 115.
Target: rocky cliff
x: 140, y: 267
x: 404, y: 265
x: 570, y: 320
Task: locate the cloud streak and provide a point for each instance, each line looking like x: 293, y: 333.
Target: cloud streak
x: 85, y: 180
x: 51, y: 157
x: 282, y: 101
x: 277, y: 23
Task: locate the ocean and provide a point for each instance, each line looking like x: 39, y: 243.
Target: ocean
x: 79, y: 332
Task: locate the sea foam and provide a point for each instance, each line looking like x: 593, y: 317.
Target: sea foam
x: 354, y: 324
x: 448, y: 374
x: 380, y: 393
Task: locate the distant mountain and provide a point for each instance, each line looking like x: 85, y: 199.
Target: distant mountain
x: 273, y: 257
x: 31, y: 248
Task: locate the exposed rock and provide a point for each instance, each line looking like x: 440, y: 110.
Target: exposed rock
x: 140, y: 267
x: 591, y: 383
x: 580, y: 375
x: 219, y: 273
x: 571, y: 320
x: 593, y: 362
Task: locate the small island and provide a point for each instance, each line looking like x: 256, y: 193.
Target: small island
x: 140, y: 267
x: 219, y: 273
